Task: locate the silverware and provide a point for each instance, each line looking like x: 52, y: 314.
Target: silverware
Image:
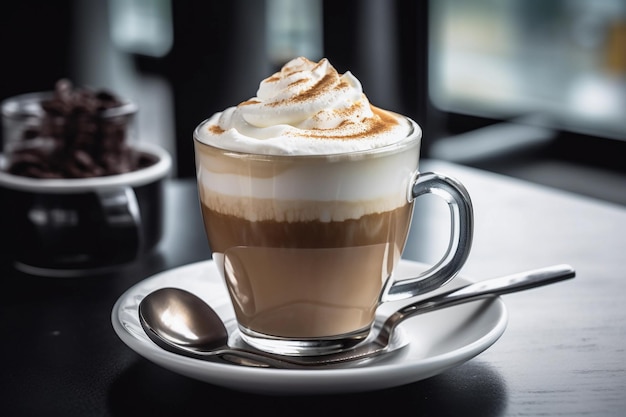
x: 180, y: 322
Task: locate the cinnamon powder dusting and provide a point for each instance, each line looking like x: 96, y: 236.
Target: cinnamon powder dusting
x: 323, y: 85
x: 379, y: 123
x: 300, y: 81
x: 215, y: 129
x: 326, y: 83
x: 248, y: 102
x: 272, y: 79
x: 348, y: 111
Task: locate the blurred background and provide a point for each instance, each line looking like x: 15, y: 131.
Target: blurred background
x: 534, y: 89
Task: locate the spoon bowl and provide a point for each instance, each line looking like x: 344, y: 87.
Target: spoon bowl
x: 189, y: 321
x: 180, y: 322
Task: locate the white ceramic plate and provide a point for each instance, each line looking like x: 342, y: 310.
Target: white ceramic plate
x: 436, y: 341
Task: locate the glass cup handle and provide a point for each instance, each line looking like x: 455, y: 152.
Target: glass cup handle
x: 461, y: 234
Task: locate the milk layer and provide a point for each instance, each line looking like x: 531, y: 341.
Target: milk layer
x: 297, y: 189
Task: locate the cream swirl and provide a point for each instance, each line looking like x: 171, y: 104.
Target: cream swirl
x: 306, y: 108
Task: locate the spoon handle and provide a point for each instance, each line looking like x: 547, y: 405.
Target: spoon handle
x: 496, y: 286
x: 478, y: 290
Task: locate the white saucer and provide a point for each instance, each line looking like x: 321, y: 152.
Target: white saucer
x: 437, y: 341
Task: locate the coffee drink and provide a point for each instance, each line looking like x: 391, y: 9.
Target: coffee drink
x: 306, y: 193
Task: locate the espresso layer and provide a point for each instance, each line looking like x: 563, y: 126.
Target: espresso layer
x: 226, y: 231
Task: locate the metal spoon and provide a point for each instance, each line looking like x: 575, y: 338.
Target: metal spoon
x: 180, y: 322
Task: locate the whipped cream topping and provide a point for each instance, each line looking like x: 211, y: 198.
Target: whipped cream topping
x: 306, y: 108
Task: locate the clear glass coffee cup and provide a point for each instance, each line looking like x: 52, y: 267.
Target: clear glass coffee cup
x: 307, y: 244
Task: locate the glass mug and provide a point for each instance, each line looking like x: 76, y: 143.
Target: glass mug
x: 307, y: 245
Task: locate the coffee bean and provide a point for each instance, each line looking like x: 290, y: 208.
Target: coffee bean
x: 84, y: 142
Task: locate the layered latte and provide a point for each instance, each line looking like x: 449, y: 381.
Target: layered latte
x: 304, y: 191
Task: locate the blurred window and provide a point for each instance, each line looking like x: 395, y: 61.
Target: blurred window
x: 294, y: 28
x: 142, y: 27
x: 561, y: 60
